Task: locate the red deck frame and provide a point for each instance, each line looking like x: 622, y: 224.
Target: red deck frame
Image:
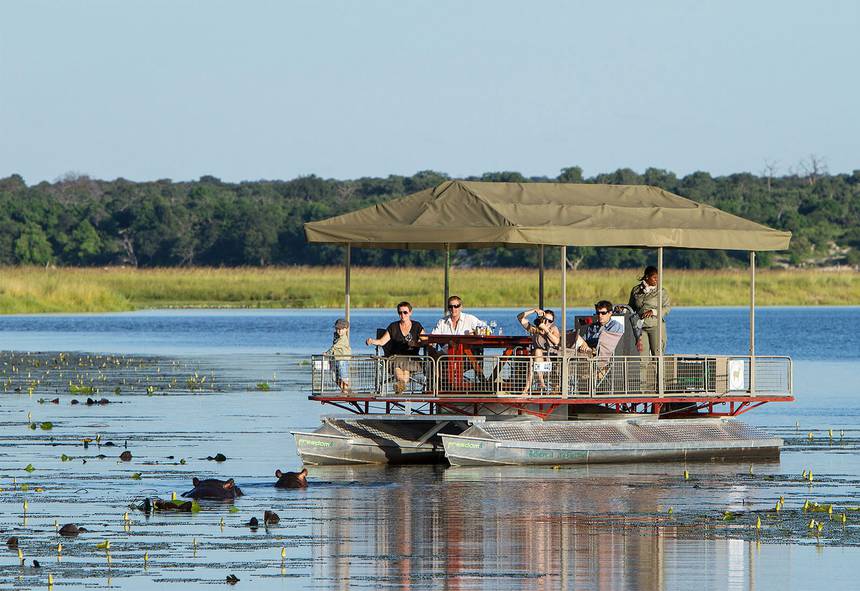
x: 544, y: 406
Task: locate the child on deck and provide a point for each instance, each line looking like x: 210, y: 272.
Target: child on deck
x: 341, y: 352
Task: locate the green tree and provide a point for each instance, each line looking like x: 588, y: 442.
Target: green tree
x: 84, y: 244
x: 571, y: 174
x: 32, y: 247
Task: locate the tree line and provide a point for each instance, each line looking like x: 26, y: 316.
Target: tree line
x: 80, y: 221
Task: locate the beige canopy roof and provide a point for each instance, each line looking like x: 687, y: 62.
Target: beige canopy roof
x: 468, y: 214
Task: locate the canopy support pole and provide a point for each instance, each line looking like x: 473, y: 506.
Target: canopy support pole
x: 564, y: 385
x: 660, y: 364
x: 752, y: 322
x: 540, y: 277
x: 447, y: 278
x: 348, y: 265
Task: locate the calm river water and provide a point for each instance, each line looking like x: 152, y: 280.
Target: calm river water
x: 422, y: 527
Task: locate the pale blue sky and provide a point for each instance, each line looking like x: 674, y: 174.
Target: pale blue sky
x: 249, y: 90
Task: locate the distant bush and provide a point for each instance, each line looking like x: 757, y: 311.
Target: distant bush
x: 78, y: 221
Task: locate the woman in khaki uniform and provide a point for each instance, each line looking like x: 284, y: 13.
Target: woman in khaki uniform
x: 643, y: 301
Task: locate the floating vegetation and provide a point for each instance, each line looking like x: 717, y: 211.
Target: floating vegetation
x: 80, y: 389
x: 263, y: 386
x: 82, y: 374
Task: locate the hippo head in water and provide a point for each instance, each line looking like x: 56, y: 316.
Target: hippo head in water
x: 212, y: 488
x: 292, y: 479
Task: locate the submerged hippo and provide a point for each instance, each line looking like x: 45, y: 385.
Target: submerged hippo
x: 292, y: 479
x: 70, y: 530
x: 212, y: 488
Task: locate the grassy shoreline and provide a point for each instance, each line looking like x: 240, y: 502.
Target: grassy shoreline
x: 37, y: 290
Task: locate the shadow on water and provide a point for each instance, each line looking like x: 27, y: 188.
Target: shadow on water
x: 391, y: 527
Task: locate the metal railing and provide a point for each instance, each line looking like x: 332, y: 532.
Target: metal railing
x: 520, y: 375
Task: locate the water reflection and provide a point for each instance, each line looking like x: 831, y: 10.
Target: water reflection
x: 524, y: 528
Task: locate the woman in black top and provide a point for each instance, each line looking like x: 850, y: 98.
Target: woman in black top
x: 403, y: 336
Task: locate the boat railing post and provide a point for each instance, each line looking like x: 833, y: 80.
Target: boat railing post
x: 348, y: 265
x: 540, y: 277
x: 752, y: 323
x: 660, y: 363
x: 565, y: 386
x: 434, y: 381
x: 447, y: 278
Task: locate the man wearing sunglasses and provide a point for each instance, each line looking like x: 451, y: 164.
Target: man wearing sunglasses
x: 456, y: 321
x: 600, y: 338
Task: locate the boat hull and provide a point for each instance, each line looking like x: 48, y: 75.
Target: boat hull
x: 326, y: 450
x: 554, y: 443
x: 383, y: 439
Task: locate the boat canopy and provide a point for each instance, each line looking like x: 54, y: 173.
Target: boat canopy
x: 470, y: 214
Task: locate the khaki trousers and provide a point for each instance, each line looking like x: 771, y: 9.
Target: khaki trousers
x: 650, y: 340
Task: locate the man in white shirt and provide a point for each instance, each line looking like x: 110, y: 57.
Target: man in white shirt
x: 456, y: 321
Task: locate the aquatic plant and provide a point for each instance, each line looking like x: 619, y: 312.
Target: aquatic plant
x: 80, y: 388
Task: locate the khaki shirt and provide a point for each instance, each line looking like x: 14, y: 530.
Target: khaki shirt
x: 341, y: 347
x: 640, y: 301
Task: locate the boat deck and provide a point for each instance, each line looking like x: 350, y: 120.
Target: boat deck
x: 691, y: 384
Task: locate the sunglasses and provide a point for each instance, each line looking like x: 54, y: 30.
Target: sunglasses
x: 403, y: 312
x: 604, y: 312
x: 450, y: 306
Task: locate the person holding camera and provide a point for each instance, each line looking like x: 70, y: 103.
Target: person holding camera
x: 546, y: 339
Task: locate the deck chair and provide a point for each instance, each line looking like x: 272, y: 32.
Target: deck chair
x: 605, y: 370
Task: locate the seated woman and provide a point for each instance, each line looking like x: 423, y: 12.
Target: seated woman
x: 545, y: 340
x: 404, y: 338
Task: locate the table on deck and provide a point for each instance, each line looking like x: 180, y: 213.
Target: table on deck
x: 469, y: 347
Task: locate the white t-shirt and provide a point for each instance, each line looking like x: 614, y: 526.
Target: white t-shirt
x: 467, y: 323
